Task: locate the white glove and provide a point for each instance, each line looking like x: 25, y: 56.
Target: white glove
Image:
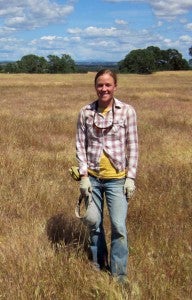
x: 129, y: 187
x: 85, y: 186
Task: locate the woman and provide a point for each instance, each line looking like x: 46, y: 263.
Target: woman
x: 107, y: 154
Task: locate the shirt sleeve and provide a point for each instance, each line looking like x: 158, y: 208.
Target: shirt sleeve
x: 81, y: 144
x: 132, y: 143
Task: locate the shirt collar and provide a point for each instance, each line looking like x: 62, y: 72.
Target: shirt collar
x: 93, y: 105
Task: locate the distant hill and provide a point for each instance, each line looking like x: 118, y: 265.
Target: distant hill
x: 85, y: 66
x: 93, y: 63
x: 4, y: 62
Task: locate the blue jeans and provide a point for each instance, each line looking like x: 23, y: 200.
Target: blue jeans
x: 112, y: 191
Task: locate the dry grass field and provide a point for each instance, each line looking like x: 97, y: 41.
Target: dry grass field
x: 42, y: 244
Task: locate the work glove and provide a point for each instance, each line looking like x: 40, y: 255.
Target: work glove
x: 74, y: 172
x: 85, y: 186
x: 129, y: 187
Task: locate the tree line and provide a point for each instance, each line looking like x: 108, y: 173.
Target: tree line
x: 153, y: 59
x: 140, y: 61
x: 38, y: 64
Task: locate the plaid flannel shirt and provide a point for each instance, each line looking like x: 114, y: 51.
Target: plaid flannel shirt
x: 120, y: 141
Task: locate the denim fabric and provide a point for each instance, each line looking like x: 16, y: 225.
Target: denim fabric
x: 112, y: 191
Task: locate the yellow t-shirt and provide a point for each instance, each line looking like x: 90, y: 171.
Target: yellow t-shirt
x: 106, y: 168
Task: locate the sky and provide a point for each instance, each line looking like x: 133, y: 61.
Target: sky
x: 93, y: 30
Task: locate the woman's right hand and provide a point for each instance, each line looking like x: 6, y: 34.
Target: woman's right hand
x: 85, y: 186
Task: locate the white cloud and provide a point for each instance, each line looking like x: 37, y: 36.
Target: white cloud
x: 122, y: 41
x: 52, y: 44
x: 31, y: 14
x: 74, y: 30
x: 168, y: 9
x: 8, y: 46
x: 186, y: 39
x: 111, y: 42
x: 183, y: 20
x: 189, y: 26
x: 160, y: 23
x: 76, y: 39
x: 49, y: 38
x: 102, y: 43
x: 5, y: 31
x: 168, y: 41
x: 14, y: 21
x: 93, y: 31
x: 10, y: 11
x: 97, y: 31
x: 120, y: 22
x: 7, y: 40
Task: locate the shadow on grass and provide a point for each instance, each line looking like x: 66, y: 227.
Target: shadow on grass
x: 70, y: 232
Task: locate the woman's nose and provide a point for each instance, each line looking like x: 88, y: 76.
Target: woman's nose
x: 104, y: 88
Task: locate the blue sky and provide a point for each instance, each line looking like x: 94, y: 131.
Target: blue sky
x: 94, y: 30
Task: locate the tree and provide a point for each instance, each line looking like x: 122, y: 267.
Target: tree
x: 68, y: 64
x: 65, y: 64
x: 152, y: 59
x: 32, y: 64
x: 175, y: 60
x: 37, y: 64
x: 160, y: 62
x: 53, y: 64
x: 11, y: 67
x: 139, y: 61
x: 190, y: 53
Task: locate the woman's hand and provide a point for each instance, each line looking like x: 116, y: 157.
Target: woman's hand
x: 85, y: 186
x: 129, y: 187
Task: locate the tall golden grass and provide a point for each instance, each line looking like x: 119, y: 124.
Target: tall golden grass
x: 42, y: 245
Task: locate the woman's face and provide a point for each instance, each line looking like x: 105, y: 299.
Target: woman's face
x: 105, y: 88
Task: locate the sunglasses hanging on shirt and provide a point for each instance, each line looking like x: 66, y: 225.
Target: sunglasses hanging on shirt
x: 103, y: 123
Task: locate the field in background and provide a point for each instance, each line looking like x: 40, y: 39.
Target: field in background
x: 38, y: 115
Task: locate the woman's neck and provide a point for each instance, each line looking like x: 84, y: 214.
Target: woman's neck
x: 105, y: 105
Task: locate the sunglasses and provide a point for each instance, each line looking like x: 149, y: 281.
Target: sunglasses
x: 103, y: 124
